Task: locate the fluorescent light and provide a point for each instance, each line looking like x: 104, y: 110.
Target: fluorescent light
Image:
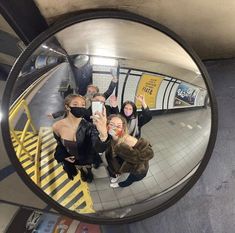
x: 44, y: 46
x: 0, y: 116
x: 103, y: 61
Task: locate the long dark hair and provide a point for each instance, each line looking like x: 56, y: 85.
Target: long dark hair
x: 134, y: 113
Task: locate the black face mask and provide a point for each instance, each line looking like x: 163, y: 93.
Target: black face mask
x: 79, y: 112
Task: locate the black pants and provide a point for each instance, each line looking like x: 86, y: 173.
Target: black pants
x: 131, y: 179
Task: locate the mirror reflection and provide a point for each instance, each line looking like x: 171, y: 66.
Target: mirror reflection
x: 110, y: 117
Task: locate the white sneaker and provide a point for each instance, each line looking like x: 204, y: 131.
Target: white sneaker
x: 114, y: 185
x: 114, y: 179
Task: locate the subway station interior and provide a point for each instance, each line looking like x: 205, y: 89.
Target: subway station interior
x: 174, y: 61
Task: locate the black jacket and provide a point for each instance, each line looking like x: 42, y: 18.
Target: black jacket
x: 88, y: 143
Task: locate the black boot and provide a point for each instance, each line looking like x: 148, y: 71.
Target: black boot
x: 89, y: 175
x: 83, y: 175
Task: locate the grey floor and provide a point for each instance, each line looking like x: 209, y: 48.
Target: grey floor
x: 209, y: 206
x: 179, y: 141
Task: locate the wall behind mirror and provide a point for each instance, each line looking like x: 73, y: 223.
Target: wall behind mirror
x: 139, y: 60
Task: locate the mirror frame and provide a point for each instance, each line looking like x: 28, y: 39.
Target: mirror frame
x: 81, y: 17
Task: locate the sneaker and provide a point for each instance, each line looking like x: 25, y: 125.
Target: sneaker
x: 114, y: 185
x: 114, y: 179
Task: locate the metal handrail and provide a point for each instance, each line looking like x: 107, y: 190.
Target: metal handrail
x: 21, y: 105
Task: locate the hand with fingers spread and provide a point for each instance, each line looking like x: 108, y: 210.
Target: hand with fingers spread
x: 113, y: 101
x: 100, y: 121
x: 142, y: 100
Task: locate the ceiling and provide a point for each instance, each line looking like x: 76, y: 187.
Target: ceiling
x: 208, y: 26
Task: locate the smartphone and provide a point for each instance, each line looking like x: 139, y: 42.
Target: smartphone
x: 96, y: 106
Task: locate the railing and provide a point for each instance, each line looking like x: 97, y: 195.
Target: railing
x: 14, y: 113
x: 21, y: 105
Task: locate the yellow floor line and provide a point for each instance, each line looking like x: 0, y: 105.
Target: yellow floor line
x: 44, y: 145
x: 83, y: 187
x: 53, y: 186
x: 47, y: 168
x: 70, y: 197
x: 63, y: 190
x: 44, y: 152
x: 46, y: 136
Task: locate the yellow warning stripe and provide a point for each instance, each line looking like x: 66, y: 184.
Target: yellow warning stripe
x: 44, y: 145
x: 48, y: 145
x: 44, y: 139
x: 55, y: 184
x: 46, y: 151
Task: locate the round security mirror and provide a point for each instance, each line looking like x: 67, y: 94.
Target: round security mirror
x: 110, y: 117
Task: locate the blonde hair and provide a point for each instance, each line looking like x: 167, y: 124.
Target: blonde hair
x: 91, y: 85
x: 124, y: 123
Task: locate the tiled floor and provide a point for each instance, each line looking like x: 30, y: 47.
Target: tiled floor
x: 179, y: 141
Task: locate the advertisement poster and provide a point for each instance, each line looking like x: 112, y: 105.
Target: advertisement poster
x: 148, y: 87
x: 185, y: 95
x: 31, y: 221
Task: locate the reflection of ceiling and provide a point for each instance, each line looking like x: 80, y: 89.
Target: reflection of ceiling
x: 206, y: 25
x: 123, y: 39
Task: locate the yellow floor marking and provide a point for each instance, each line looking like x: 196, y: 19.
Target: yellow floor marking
x: 44, y: 152
x: 50, y: 141
x: 44, y: 145
x: 47, y: 168
x: 55, y: 184
x: 63, y: 190
x: 70, y: 197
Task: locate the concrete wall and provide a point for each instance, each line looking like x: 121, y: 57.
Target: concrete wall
x: 208, y: 26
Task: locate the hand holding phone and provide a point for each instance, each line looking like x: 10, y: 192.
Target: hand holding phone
x: 96, y: 107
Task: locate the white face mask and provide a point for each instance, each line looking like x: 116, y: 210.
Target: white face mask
x: 112, y: 133
x: 115, y: 132
x: 128, y: 113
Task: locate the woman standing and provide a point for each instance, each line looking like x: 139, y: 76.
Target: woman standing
x: 135, y: 120
x: 126, y: 153
x: 77, y: 139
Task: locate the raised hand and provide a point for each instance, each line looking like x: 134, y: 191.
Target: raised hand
x: 114, y: 75
x: 100, y: 121
x: 142, y: 100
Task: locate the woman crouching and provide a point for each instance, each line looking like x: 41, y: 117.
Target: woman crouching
x: 126, y: 154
